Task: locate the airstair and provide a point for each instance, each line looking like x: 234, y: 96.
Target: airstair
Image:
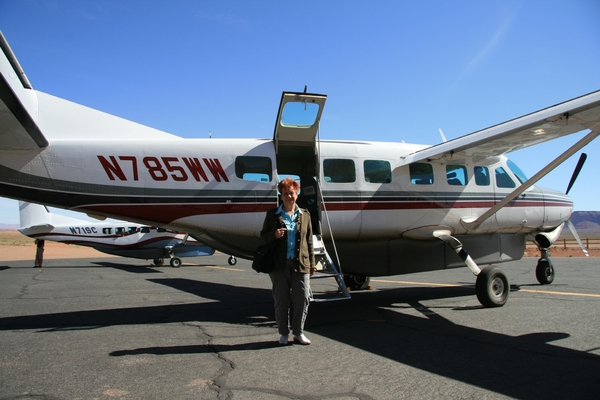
x: 326, y: 268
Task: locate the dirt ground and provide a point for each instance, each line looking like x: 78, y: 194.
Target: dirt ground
x: 51, y: 250
x: 15, y: 246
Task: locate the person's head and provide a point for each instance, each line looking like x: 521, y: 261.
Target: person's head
x: 289, y: 190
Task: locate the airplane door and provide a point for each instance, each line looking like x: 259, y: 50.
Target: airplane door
x: 296, y: 151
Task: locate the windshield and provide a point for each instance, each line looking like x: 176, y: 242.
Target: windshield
x: 517, y: 171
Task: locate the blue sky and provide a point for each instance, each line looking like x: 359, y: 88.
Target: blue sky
x: 392, y: 70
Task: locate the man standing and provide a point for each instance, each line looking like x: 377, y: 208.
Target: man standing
x: 39, y: 253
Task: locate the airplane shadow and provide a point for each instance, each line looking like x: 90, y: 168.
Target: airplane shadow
x: 136, y: 269
x: 392, y: 323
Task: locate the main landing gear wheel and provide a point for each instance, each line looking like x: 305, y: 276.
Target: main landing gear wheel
x: 492, y: 287
x: 232, y: 260
x: 175, y: 262
x: 357, y: 282
x: 158, y: 262
x: 544, y: 272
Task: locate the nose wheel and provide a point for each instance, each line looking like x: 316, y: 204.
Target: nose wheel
x: 175, y: 262
x: 544, y: 272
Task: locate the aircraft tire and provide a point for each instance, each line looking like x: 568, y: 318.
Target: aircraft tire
x: 357, y: 282
x: 175, y: 262
x: 232, y: 260
x: 492, y: 287
x: 158, y: 262
x: 544, y: 272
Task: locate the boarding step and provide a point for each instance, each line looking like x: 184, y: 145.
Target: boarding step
x: 326, y: 268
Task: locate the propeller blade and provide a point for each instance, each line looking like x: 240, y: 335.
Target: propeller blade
x: 577, y: 170
x: 576, y: 235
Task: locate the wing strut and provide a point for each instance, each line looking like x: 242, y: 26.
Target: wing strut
x: 473, y: 224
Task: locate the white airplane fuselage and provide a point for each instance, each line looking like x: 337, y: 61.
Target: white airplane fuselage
x: 191, y: 185
x: 119, y: 238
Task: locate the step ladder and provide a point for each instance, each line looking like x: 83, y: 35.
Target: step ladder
x: 326, y: 268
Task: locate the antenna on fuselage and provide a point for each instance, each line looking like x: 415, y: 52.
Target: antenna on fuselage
x: 442, y: 135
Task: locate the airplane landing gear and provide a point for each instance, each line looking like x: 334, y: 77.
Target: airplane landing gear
x: 158, y: 262
x: 357, y: 282
x: 232, y: 260
x: 175, y: 262
x: 544, y: 272
x: 492, y: 287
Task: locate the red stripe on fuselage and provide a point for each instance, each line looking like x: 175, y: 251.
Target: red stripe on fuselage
x: 166, y: 213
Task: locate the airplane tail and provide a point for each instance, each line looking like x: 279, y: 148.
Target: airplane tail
x: 34, y: 216
x: 21, y: 101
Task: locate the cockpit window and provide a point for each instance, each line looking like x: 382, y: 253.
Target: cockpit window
x: 517, y: 171
x: 482, y: 176
x: 503, y: 180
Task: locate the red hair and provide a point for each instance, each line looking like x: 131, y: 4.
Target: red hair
x: 288, y: 183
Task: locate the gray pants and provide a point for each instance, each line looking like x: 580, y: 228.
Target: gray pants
x: 299, y: 285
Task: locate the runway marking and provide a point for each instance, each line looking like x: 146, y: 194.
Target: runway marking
x: 418, y: 283
x: 457, y: 285
x: 225, y: 268
x: 563, y: 293
x: 215, y: 267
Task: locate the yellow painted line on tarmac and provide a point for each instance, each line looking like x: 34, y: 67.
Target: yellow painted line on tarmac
x: 520, y: 290
x: 215, y: 267
x: 562, y: 293
x: 225, y: 268
x: 417, y: 283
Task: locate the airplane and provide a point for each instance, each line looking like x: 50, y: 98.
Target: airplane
x: 118, y: 238
x: 380, y: 208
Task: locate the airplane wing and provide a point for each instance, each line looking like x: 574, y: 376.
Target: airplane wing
x: 553, y: 122
x: 18, y: 131
x: 25, y: 113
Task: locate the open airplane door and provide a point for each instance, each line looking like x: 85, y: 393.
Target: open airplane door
x: 295, y: 133
x: 296, y: 147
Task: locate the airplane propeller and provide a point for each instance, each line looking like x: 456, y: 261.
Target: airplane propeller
x: 570, y: 224
x: 578, y: 167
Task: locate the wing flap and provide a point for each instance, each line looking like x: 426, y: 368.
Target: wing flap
x: 551, y: 123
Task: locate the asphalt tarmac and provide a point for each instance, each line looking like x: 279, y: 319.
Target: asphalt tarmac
x: 117, y: 328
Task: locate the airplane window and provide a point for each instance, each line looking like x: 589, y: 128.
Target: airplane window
x: 503, y: 180
x: 377, y: 171
x: 300, y: 114
x: 421, y: 174
x: 456, y: 175
x: 161, y: 230
x: 517, y: 171
x: 337, y: 170
x: 131, y: 230
x: 145, y: 229
x: 107, y: 231
x: 252, y: 168
x: 119, y: 231
x: 482, y: 176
